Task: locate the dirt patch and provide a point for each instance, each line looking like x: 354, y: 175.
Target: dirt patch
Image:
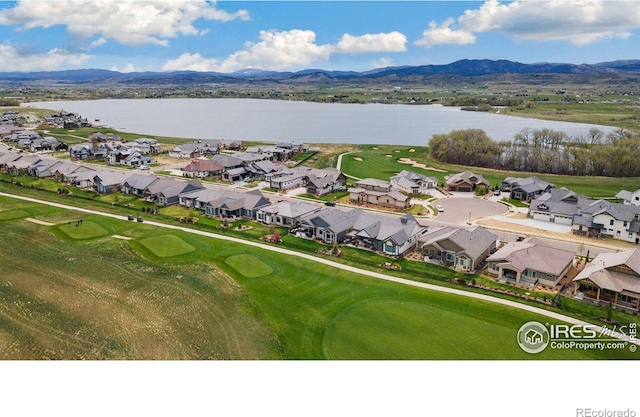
x: 415, y: 164
x: 40, y: 222
x: 121, y: 237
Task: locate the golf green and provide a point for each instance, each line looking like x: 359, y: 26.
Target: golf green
x: 165, y: 246
x: 248, y: 265
x: 13, y: 214
x: 83, y: 231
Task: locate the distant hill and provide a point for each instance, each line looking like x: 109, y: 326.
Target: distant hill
x: 462, y: 68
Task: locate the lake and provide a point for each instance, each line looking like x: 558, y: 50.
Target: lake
x: 277, y: 120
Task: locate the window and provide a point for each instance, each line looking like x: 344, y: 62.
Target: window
x: 630, y: 235
x: 618, y: 233
x: 529, y: 273
x: 625, y: 224
x: 451, y: 257
x: 390, y: 248
x: 611, y: 222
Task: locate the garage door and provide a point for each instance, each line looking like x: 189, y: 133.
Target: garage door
x: 541, y: 216
x: 563, y: 220
x: 464, y: 189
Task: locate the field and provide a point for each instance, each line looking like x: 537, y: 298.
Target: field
x: 381, y: 161
x: 106, y: 298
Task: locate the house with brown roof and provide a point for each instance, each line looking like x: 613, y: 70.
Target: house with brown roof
x: 611, y: 277
x: 202, y: 168
x: 465, y: 182
x: 378, y: 193
x: 530, y: 262
x: 457, y: 246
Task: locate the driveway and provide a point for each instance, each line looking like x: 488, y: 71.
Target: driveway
x: 460, y: 208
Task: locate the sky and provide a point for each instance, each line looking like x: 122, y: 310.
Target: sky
x: 229, y: 36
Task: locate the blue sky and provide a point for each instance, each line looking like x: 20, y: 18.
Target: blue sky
x: 226, y: 36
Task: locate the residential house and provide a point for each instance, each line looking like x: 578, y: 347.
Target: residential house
x: 166, y: 191
x: 324, y: 181
x: 236, y: 204
x: 198, y: 199
x: 557, y: 205
x: 465, y: 182
x: 229, y: 145
x: 42, y: 169
x: 145, y: 145
x: 530, y: 262
x: 285, y: 213
x: 81, y: 151
x: 261, y: 169
x: 390, y: 235
x: 630, y: 197
x: 137, y: 183
x: 288, y: 179
x: 611, y: 277
x: 6, y: 159
x: 525, y: 189
x: 413, y: 183
x: 195, y: 150
x: 328, y: 224
x: 47, y: 143
x: 378, y: 193
x: 457, y: 246
x: 20, y: 165
x: 108, y: 181
x: 136, y: 159
x: 202, y: 168
x: 601, y: 218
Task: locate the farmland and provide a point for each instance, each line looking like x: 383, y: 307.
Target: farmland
x: 88, y: 295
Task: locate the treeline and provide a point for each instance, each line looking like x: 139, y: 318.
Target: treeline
x: 543, y: 151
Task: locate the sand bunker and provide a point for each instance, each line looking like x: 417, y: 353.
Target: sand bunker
x: 388, y: 156
x: 36, y: 221
x: 121, y: 237
x: 415, y: 164
x: 357, y: 158
x: 375, y: 149
x: 412, y: 150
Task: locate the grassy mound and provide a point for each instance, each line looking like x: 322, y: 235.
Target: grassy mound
x: 165, y: 246
x: 13, y: 214
x: 248, y: 265
x: 83, y: 231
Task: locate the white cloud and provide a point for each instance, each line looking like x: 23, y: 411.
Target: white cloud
x: 383, y: 63
x: 191, y: 62
x: 444, y: 35
x: 288, y: 50
x: 127, y: 68
x: 129, y: 22
x: 578, y: 21
x: 378, y: 42
x: 11, y: 59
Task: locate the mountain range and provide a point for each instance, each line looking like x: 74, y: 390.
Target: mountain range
x: 462, y: 68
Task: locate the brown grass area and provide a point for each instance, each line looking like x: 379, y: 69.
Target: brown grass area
x: 101, y: 301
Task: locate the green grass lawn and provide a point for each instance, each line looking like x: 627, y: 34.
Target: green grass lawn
x: 165, y: 246
x: 82, y: 231
x: 248, y: 265
x: 13, y: 214
x: 376, y: 163
x: 314, y: 311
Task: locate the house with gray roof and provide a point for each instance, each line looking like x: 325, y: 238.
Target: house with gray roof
x: 8, y: 158
x: 601, y: 218
x: 285, y: 213
x: 20, y: 165
x: 42, y: 168
x: 465, y: 182
x: 413, y: 183
x: 611, y: 277
x: 457, y: 246
x: 236, y: 204
x: 372, y: 191
x: 559, y: 205
x: 391, y: 235
x: 525, y: 189
x: 137, y: 183
x: 166, y: 191
x: 328, y: 224
x: 324, y: 181
x: 81, y: 151
x: 629, y: 197
x: 530, y: 262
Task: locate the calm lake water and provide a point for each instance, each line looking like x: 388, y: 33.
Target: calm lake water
x: 275, y: 120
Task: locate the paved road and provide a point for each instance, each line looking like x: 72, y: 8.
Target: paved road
x: 460, y: 210
x: 333, y: 264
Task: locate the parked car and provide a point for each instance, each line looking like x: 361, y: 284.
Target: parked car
x: 144, y: 168
x: 439, y: 208
x: 330, y: 203
x: 496, y: 192
x: 130, y: 217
